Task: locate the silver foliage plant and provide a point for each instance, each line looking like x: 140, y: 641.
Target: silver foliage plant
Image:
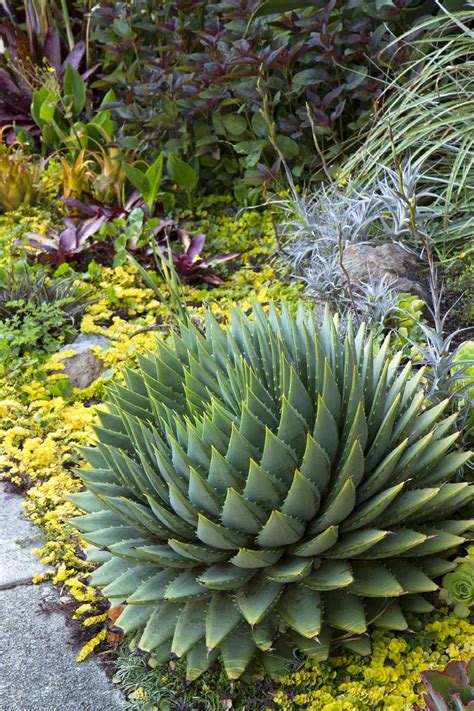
x: 317, y: 228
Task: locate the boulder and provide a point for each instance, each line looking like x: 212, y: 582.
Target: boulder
x: 366, y: 263
x: 85, y: 366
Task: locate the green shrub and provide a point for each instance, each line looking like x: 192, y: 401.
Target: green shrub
x: 269, y: 487
x: 194, y: 78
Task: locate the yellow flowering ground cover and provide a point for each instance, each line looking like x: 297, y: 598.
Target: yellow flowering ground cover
x: 43, y: 423
x: 389, y: 678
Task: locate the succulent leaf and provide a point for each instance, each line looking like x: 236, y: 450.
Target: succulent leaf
x: 270, y: 486
x: 450, y: 689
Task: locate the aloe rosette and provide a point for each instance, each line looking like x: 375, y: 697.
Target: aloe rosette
x: 268, y: 487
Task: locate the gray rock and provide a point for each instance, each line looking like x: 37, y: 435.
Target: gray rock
x: 365, y: 263
x: 85, y: 340
x: 17, y: 537
x: 38, y: 671
x: 86, y: 366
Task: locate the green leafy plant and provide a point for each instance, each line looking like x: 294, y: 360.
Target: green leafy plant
x: 58, y: 111
x: 183, y: 175
x: 269, y: 487
x: 148, y: 182
x: 451, y: 689
x: 37, y: 314
x: 147, y: 179
x: 127, y: 232
x: 458, y: 586
x: 223, y: 79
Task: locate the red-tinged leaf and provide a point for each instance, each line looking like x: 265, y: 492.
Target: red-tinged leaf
x: 86, y: 75
x: 68, y: 241
x: 114, y: 612
x: 52, y: 49
x: 218, y: 259
x: 90, y: 227
x: 267, y: 173
x: 272, y: 56
x: 333, y: 94
x: 6, y: 83
x: 211, y: 279
x: 38, y: 241
x: 338, y: 111
x: 10, y: 118
x: 75, y: 56
x: 196, y: 246
x: 85, y: 209
x: 114, y: 637
x: 33, y: 28
x: 162, y: 226
x: 132, y: 201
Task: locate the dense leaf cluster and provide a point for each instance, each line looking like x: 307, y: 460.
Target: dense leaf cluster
x: 214, y: 84
x: 267, y: 488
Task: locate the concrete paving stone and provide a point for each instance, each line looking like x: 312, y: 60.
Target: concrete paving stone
x: 17, y: 537
x: 38, y: 671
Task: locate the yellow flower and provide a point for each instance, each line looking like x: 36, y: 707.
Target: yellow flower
x: 91, y: 645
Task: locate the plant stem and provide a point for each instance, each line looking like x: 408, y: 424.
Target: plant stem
x: 67, y: 23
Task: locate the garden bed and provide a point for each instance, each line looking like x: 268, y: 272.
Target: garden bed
x: 126, y: 221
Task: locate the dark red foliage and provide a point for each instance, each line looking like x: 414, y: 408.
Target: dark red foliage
x: 66, y: 245
x: 30, y: 55
x: 189, y: 265
x: 205, y: 64
x: 90, y: 207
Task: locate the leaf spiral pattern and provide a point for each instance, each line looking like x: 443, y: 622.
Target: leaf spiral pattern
x: 268, y: 487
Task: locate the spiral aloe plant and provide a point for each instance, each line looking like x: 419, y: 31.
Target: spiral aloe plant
x: 269, y: 487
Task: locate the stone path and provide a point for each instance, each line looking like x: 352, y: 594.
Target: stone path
x: 38, y: 671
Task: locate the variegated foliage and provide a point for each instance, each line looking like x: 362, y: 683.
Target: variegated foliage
x: 267, y: 488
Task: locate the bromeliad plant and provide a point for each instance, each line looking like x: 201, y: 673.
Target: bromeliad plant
x: 189, y: 265
x: 267, y: 488
x: 66, y: 245
x: 18, y: 176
